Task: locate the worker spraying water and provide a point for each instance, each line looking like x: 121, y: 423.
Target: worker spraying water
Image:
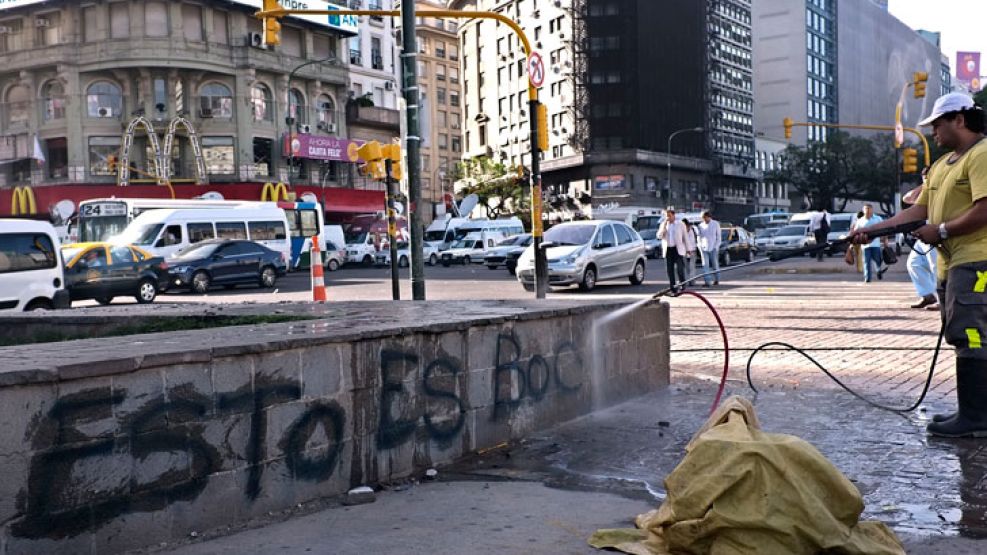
x: 953, y: 202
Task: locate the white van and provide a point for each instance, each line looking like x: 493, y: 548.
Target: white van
x: 473, y: 248
x: 441, y: 234
x: 165, y: 232
x: 507, y: 227
x: 32, y: 276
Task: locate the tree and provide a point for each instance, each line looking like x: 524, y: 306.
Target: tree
x: 824, y: 171
x: 496, y: 185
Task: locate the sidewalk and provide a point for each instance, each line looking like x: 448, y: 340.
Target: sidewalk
x: 548, y: 493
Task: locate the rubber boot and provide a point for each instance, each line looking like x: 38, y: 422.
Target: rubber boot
x: 944, y: 417
x: 971, y: 396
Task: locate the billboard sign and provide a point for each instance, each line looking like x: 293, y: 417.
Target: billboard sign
x: 968, y: 69
x: 346, y: 23
x: 317, y: 147
x: 7, y: 4
x: 608, y: 183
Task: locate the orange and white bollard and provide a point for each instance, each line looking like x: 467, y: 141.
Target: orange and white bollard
x: 318, y: 281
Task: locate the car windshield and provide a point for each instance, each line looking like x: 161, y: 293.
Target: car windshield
x: 356, y: 238
x: 510, y: 241
x: 769, y: 232
x: 70, y: 252
x: 464, y: 244
x: 839, y: 225
x: 578, y: 234
x: 435, y: 235
x: 197, y: 251
x: 791, y: 230
x: 141, y: 235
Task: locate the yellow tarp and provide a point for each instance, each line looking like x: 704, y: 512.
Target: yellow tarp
x: 741, y: 490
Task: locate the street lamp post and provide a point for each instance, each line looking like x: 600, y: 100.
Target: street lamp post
x: 668, y: 156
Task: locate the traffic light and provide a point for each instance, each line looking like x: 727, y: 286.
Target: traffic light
x: 542, y: 121
x: 272, y: 27
x: 787, y: 122
x: 909, y: 160
x: 111, y: 162
x: 918, y: 80
x: 370, y: 152
x: 393, y: 152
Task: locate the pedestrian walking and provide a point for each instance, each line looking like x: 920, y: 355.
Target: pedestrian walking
x: 709, y: 246
x: 922, y: 263
x: 673, y: 247
x: 690, y: 248
x: 872, y: 250
x: 819, y: 226
x: 953, y: 202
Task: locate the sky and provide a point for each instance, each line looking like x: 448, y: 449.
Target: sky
x: 957, y: 20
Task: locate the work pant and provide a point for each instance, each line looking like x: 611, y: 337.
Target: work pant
x: 711, y: 262
x: 820, y: 240
x: 922, y: 268
x: 674, y: 264
x: 872, y: 255
x: 963, y: 308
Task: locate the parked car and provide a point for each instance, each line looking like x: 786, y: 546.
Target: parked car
x: 507, y: 252
x: 334, y: 257
x: 839, y: 227
x: 764, y: 235
x: 31, y: 272
x: 585, y: 252
x: 791, y: 237
x: 226, y: 262
x: 383, y: 257
x: 103, y: 271
x: 736, y: 243
x: 472, y: 248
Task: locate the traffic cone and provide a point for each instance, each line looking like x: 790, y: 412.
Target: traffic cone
x: 318, y: 281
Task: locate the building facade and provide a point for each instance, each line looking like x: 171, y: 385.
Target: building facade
x: 73, y: 78
x: 622, y: 78
x: 373, y: 109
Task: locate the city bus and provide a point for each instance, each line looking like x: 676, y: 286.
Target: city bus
x: 102, y: 218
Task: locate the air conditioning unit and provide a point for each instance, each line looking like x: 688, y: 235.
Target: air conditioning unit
x: 42, y: 22
x: 205, y: 113
x: 332, y: 128
x: 561, y: 36
x: 557, y: 3
x: 256, y: 40
x: 304, y: 128
x: 105, y: 112
x: 389, y: 85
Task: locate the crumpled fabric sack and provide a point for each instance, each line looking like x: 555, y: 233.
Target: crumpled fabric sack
x: 741, y: 490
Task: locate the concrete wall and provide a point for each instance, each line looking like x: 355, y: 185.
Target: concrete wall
x: 126, y: 442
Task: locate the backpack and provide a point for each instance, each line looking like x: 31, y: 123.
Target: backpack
x: 824, y: 224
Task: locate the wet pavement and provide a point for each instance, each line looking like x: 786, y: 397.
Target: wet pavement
x: 933, y: 493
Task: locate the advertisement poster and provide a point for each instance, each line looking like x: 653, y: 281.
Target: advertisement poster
x: 608, y: 183
x: 317, y: 147
x: 968, y: 70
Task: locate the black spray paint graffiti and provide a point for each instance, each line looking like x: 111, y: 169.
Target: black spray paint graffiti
x: 534, y: 379
x: 53, y: 508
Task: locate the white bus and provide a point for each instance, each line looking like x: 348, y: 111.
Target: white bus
x: 102, y: 218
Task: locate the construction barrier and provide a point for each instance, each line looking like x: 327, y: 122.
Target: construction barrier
x: 318, y: 281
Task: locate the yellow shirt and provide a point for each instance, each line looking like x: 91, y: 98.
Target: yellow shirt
x: 951, y: 190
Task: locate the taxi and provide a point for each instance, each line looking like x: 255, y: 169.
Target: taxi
x: 103, y: 271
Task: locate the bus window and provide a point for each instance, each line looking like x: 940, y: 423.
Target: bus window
x: 231, y: 230
x: 200, y: 232
x: 266, y: 231
x: 172, y: 236
x: 309, y: 223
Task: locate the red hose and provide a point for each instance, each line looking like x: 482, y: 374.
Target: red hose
x: 726, y: 347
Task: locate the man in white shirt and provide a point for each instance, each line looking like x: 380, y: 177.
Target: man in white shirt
x: 709, y: 243
x: 673, y: 247
x: 819, y: 226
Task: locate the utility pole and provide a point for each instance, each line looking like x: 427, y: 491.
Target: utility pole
x: 409, y: 71
x: 392, y: 227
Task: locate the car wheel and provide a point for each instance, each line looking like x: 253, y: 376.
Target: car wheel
x: 637, y: 278
x: 528, y: 286
x: 38, y: 304
x: 332, y: 265
x: 750, y: 255
x: 467, y: 261
x: 104, y: 300
x: 432, y: 259
x: 725, y: 260
x: 492, y: 266
x: 146, y: 292
x: 200, y: 282
x: 368, y: 261
x: 589, y: 279
x: 268, y: 277
x: 511, y: 270
x: 403, y: 262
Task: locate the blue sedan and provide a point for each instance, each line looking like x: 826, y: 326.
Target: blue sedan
x: 226, y: 262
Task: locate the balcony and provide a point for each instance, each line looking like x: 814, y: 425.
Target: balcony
x: 373, y: 116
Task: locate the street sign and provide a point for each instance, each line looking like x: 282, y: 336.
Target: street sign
x: 536, y: 70
x: 899, y: 134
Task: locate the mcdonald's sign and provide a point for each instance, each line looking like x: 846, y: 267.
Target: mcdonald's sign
x: 22, y: 202
x: 274, y: 193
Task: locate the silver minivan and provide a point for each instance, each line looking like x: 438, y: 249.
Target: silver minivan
x: 586, y: 252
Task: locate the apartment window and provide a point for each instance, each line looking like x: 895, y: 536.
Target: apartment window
x: 90, y: 29
x: 440, y: 72
x: 454, y: 53
x: 422, y: 45
x: 482, y: 132
x: 454, y: 99
x: 218, y: 153
x: 156, y: 19
x: 215, y: 100
x: 192, y: 22
x: 119, y: 20
x: 53, y: 101
x: 18, y: 106
x: 260, y: 100
x: 443, y: 118
x: 58, y: 158
x: 422, y: 68
x: 454, y: 121
x: 440, y: 95
x: 220, y: 29
x: 104, y: 100
x: 48, y: 29
x: 296, y: 106
x: 324, y: 46
x: 376, y: 54
x: 263, y: 154
x: 100, y: 150
x: 326, y: 111
x: 454, y: 75
x: 457, y: 145
x: 355, y: 51
x: 443, y: 141
x: 291, y: 41
x: 426, y: 162
x: 440, y: 49
x: 160, y: 89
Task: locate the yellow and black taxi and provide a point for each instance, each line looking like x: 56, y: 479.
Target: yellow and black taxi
x: 103, y: 271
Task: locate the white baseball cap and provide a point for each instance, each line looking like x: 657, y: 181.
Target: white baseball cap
x: 946, y: 104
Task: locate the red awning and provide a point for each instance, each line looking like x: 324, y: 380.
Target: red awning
x: 354, y: 201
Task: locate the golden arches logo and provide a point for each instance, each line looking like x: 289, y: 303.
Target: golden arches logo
x: 22, y: 202
x: 274, y: 193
